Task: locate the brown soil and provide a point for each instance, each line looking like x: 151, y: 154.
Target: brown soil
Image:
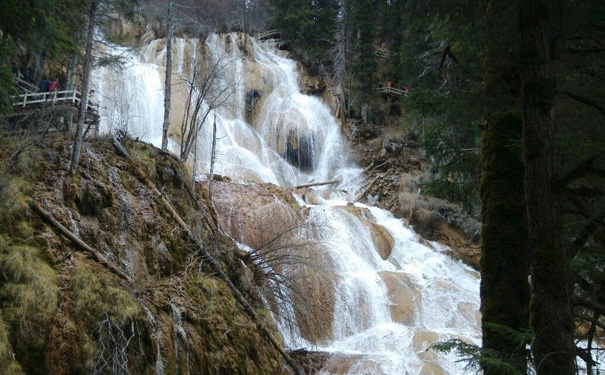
x: 395, y: 167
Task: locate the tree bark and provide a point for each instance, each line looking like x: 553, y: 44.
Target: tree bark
x: 551, y: 319
x: 212, y: 160
x: 504, y: 247
x: 75, y: 158
x: 504, y: 250
x: 168, y: 81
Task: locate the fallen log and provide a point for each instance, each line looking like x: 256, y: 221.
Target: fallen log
x: 407, y: 223
x: 119, y: 148
x: 366, y: 189
x: 334, y: 182
x: 46, y: 216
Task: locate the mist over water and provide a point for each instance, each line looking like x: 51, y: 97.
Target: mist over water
x: 386, y: 312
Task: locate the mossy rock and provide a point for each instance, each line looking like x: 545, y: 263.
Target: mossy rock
x: 95, y: 197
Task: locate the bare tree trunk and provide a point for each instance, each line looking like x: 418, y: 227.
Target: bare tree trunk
x: 168, y: 82
x: 551, y: 319
x: 194, y: 167
x: 212, y: 157
x: 75, y: 159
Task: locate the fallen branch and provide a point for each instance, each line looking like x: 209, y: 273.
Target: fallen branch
x: 590, y: 304
x: 368, y: 168
x: 119, y: 148
x: 366, y: 189
x: 407, y: 224
x: 586, y: 101
x: 318, y: 184
x: 46, y: 216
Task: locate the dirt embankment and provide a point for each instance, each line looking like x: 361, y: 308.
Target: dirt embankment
x: 396, y: 169
x: 64, y: 312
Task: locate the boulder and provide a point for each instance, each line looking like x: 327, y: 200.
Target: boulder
x: 404, y: 296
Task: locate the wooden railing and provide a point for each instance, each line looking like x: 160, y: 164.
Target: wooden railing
x: 391, y: 91
x: 68, y: 96
x: 271, y: 34
x: 25, y: 86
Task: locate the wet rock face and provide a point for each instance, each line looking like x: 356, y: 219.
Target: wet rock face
x: 405, y: 297
x: 268, y: 219
x: 252, y: 98
x: 299, y: 151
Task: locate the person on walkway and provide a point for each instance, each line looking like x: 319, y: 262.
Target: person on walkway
x: 405, y: 90
x: 43, y: 86
x: 52, y: 85
x: 15, y: 70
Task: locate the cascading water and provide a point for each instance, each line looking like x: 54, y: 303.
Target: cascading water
x: 386, y: 307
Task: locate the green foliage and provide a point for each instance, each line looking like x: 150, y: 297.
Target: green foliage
x: 457, y: 170
x: 42, y: 27
x: 7, y: 87
x: 13, y: 207
x: 8, y: 366
x: 364, y: 31
x: 589, y: 265
x: 477, y: 358
x: 308, y: 25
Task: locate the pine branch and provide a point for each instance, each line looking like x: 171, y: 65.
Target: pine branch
x: 586, y: 101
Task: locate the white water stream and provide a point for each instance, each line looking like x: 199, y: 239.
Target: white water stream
x: 386, y: 312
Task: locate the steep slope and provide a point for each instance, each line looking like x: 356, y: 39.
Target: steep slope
x: 64, y: 312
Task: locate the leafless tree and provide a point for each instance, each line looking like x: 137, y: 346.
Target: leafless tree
x: 168, y: 84
x: 115, y: 349
x: 210, y: 92
x: 75, y: 159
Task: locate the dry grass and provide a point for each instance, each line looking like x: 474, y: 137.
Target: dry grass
x: 94, y: 296
x: 13, y: 206
x: 426, y: 211
x: 29, y: 292
x: 8, y: 366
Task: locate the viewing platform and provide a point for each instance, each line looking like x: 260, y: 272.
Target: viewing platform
x: 31, y: 100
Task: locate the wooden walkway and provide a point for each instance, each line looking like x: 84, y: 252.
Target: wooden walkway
x: 391, y: 91
x: 31, y: 99
x: 271, y: 34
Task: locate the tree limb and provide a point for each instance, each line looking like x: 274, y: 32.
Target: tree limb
x: 46, y: 216
x: 585, y: 101
x: 578, y: 301
x: 590, y: 319
x: 584, y: 168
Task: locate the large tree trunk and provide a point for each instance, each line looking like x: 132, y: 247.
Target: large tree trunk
x: 551, y: 320
x: 504, y: 251
x: 75, y: 159
x: 168, y: 82
x: 504, y: 247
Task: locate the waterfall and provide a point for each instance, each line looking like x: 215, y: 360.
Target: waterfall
x: 157, y: 337
x: 179, y: 334
x: 390, y: 297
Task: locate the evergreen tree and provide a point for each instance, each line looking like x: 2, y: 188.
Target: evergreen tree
x: 364, y: 37
x: 41, y: 27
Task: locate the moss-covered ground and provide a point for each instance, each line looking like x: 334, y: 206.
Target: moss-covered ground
x: 64, y: 313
